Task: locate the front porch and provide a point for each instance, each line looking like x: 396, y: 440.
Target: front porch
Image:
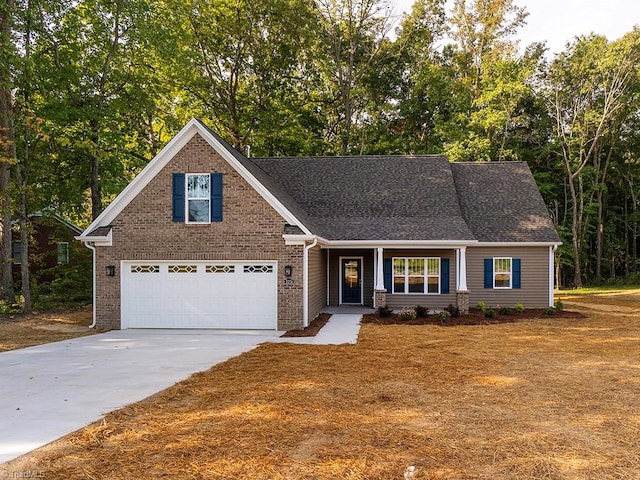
x: 396, y: 277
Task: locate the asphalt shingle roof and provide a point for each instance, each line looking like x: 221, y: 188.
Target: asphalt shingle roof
x: 411, y: 197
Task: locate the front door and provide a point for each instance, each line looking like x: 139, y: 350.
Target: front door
x: 351, y: 280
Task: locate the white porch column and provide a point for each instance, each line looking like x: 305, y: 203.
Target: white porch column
x: 552, y: 272
x: 379, y: 270
x: 462, y: 269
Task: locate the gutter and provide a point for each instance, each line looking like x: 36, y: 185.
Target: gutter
x: 305, y: 282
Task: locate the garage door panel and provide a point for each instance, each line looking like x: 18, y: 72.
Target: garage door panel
x: 199, y: 295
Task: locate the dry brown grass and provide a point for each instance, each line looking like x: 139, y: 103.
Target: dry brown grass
x: 20, y: 331
x: 551, y: 398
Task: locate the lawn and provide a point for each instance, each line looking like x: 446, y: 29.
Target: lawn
x: 553, y: 398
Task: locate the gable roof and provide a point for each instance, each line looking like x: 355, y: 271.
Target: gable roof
x: 373, y: 197
x: 411, y: 198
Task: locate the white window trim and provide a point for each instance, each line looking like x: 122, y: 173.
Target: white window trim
x: 187, y: 198
x: 510, y: 287
x: 426, y: 275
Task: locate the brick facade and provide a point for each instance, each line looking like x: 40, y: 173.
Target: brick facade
x: 251, y: 230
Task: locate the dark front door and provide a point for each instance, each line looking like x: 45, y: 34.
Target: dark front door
x: 351, y: 280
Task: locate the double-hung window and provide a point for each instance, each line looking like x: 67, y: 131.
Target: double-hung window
x: 198, y: 198
x: 416, y: 275
x: 502, y: 272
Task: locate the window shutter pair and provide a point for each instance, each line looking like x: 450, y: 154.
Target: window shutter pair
x: 515, y: 272
x: 387, y: 267
x: 179, y: 199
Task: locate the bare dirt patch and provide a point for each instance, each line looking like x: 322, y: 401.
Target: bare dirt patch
x: 552, y: 397
x: 312, y: 330
x: 20, y: 331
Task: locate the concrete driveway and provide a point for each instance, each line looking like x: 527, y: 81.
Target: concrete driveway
x: 51, y: 390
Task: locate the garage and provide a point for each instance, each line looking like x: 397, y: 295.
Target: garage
x: 195, y: 294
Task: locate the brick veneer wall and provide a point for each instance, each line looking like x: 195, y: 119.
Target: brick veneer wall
x: 251, y: 230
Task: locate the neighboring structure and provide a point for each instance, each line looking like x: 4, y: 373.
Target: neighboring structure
x: 51, y: 243
x: 205, y: 238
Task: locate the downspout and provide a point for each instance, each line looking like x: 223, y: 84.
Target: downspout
x: 305, y: 282
x: 552, y: 273
x: 93, y: 250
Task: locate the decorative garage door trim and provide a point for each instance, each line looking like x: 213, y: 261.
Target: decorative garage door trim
x: 199, y: 294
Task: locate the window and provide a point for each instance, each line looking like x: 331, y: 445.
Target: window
x: 198, y: 198
x: 502, y: 273
x: 63, y: 253
x: 416, y: 275
x: 16, y: 252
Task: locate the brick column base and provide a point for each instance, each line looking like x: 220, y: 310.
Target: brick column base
x: 379, y: 298
x: 462, y: 300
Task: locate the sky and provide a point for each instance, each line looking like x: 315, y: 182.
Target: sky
x: 559, y: 21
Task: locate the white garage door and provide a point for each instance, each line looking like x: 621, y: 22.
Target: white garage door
x: 187, y: 294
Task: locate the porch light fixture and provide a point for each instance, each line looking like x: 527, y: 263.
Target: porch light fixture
x: 111, y: 270
x: 288, y: 271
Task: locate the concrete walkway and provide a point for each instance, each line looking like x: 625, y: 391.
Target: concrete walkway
x: 51, y: 390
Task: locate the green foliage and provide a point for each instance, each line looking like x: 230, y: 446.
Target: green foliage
x: 481, y: 306
x: 490, y: 313
x: 506, y: 311
x: 519, y: 307
x: 559, y: 306
x: 443, y: 316
x: 384, y: 311
x: 421, y: 312
x: 549, y: 311
x: 71, y: 286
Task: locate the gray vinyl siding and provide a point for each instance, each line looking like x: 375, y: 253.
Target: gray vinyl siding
x: 534, y: 291
x: 367, y: 273
x: 317, y: 294
x: 398, y: 301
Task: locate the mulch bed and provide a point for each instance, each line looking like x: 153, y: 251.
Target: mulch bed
x: 313, y: 328
x: 474, y: 317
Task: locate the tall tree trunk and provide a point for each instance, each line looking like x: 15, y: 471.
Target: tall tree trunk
x: 7, y: 154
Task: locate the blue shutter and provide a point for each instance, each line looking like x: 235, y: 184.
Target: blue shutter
x: 444, y: 275
x: 216, y: 197
x: 515, y: 270
x: 178, y: 207
x: 386, y: 267
x: 488, y: 273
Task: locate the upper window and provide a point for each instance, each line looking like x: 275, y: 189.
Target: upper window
x: 502, y: 272
x: 416, y: 275
x: 16, y: 252
x: 198, y: 198
x: 63, y: 253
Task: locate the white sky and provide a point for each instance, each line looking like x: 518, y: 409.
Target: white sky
x: 559, y: 21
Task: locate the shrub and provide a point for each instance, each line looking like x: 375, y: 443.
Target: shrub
x: 453, y: 311
x: 443, y: 316
x: 481, y: 306
x: 384, y: 311
x: 559, y: 306
x: 519, y: 307
x: 407, y: 314
x: 549, y: 311
x: 506, y: 311
x: 490, y: 313
x: 421, y: 312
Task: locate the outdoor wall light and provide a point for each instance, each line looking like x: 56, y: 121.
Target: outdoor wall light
x: 111, y: 270
x: 288, y: 271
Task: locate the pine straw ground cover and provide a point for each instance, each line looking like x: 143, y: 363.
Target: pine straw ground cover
x: 554, y: 398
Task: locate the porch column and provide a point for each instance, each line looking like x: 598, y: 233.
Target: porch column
x: 379, y: 292
x: 462, y: 293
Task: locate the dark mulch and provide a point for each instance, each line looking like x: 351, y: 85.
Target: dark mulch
x: 313, y: 328
x: 473, y: 318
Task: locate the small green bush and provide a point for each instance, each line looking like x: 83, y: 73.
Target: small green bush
x: 443, y: 316
x: 549, y: 311
x: 506, y: 311
x: 407, y: 314
x: 519, y: 307
x: 481, y: 306
x: 421, y: 312
x: 490, y: 313
x: 384, y: 311
x: 559, y: 306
